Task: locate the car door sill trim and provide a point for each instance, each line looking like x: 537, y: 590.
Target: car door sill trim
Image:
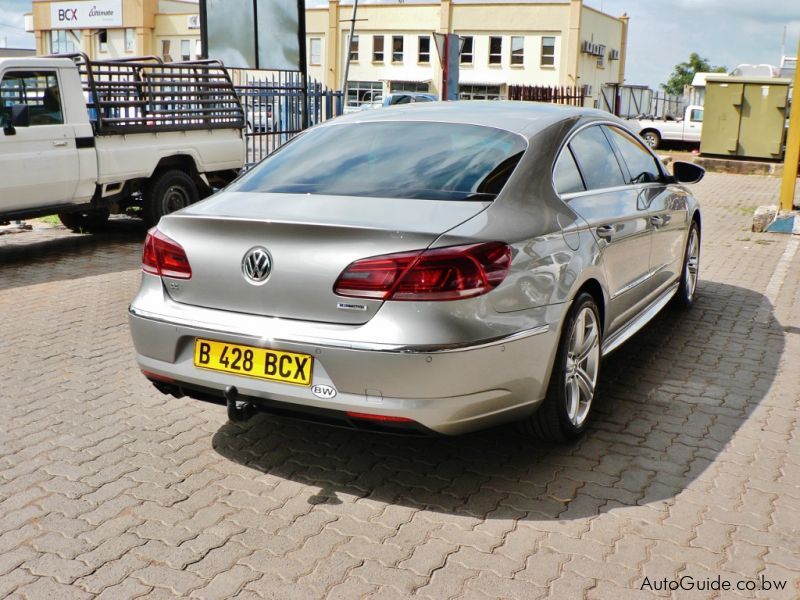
x: 636, y: 282
x: 642, y: 319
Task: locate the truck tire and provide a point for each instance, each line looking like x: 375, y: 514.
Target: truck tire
x: 85, y: 221
x: 651, y: 138
x: 167, y: 192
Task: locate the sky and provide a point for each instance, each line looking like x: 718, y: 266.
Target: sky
x: 662, y: 32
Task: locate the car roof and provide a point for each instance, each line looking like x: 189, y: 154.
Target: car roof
x: 524, y: 118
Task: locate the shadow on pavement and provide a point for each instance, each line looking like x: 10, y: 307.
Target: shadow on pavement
x: 41, y: 256
x: 672, y: 398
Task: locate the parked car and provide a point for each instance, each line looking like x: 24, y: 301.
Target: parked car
x: 439, y: 267
x: 687, y: 129
x: 82, y: 139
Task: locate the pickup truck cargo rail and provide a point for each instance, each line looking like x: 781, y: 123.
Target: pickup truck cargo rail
x: 145, y: 95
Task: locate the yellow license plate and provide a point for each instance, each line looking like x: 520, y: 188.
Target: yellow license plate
x: 275, y: 365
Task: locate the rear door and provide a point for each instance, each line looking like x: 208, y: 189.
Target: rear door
x: 609, y: 207
x: 38, y: 162
x: 666, y: 206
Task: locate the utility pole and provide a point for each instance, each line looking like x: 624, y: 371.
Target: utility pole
x: 792, y: 156
x: 347, y: 49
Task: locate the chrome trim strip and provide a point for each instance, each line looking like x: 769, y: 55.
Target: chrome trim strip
x: 642, y: 319
x: 640, y: 280
x: 360, y: 346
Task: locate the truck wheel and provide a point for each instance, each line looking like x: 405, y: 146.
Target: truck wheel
x: 168, y: 192
x: 85, y: 221
x: 652, y: 139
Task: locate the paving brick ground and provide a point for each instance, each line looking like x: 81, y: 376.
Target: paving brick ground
x: 109, y: 488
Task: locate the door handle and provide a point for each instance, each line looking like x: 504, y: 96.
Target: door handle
x: 60, y: 144
x: 605, y: 231
x: 657, y: 220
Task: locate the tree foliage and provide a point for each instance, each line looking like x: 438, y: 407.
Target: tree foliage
x: 684, y: 72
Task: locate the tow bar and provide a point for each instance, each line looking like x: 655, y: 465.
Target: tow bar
x: 238, y: 410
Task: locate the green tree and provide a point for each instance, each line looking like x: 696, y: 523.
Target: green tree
x: 684, y: 72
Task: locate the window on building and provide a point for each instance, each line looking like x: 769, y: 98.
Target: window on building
x: 62, y: 41
x: 354, y: 49
x: 517, y: 49
x: 424, y: 55
x: 102, y: 40
x: 479, y: 92
x: 397, y: 48
x: 377, y: 48
x: 364, y: 92
x: 38, y: 90
x: 130, y: 40
x: 186, y: 50
x: 198, y: 48
x: 466, y: 50
x: 495, y: 50
x: 548, y: 51
x: 409, y: 86
x: 315, y: 51
x: 165, y: 46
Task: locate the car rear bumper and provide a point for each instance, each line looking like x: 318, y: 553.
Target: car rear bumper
x: 446, y: 388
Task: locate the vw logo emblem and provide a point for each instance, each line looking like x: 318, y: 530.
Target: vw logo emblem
x: 256, y: 265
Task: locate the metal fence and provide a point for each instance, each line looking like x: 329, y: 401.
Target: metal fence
x: 627, y: 101
x: 274, y: 106
x: 542, y: 93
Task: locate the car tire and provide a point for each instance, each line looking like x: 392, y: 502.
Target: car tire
x: 690, y: 272
x: 652, y: 139
x: 567, y: 408
x: 168, y: 192
x: 85, y: 221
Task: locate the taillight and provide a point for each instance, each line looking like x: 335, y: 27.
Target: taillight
x: 164, y: 256
x: 451, y: 273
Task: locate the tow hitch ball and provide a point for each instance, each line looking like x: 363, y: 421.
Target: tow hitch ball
x: 238, y: 411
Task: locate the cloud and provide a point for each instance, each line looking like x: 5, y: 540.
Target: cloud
x: 12, y: 24
x: 726, y: 32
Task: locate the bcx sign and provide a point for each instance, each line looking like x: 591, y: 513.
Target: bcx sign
x: 98, y: 14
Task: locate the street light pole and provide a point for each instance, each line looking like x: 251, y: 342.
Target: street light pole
x: 347, y: 62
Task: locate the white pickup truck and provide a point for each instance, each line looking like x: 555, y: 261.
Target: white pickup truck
x: 84, y: 139
x: 688, y: 129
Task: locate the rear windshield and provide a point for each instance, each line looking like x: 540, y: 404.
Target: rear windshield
x: 435, y: 161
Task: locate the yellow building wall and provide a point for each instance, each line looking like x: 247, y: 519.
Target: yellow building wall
x: 600, y: 29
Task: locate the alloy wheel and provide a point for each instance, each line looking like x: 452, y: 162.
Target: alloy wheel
x: 582, y: 366
x: 692, y: 262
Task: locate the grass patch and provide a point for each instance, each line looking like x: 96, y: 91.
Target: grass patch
x: 51, y: 220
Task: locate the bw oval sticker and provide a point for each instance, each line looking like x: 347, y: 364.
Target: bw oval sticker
x: 326, y: 392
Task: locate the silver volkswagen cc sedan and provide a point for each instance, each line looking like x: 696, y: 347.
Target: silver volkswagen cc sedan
x: 437, y: 267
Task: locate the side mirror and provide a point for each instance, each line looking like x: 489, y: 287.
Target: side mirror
x: 686, y: 172
x: 20, y: 115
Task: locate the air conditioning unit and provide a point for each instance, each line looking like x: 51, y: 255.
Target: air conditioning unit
x: 587, y: 90
x: 613, y: 55
x: 586, y: 46
x: 601, y: 50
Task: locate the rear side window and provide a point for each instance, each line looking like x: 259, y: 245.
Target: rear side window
x: 641, y: 164
x: 596, y: 159
x: 391, y: 159
x: 566, y: 177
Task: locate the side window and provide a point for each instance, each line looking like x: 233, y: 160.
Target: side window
x: 566, y: 177
x: 38, y: 90
x: 596, y: 159
x: 696, y: 115
x: 641, y: 164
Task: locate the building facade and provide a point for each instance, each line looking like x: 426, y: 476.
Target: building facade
x: 505, y: 42
x: 113, y: 29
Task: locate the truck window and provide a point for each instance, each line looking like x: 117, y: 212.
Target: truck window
x: 696, y: 115
x: 38, y: 89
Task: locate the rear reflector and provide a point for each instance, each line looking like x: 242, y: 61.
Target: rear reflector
x: 164, y: 257
x: 157, y: 377
x: 451, y: 273
x: 382, y: 418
